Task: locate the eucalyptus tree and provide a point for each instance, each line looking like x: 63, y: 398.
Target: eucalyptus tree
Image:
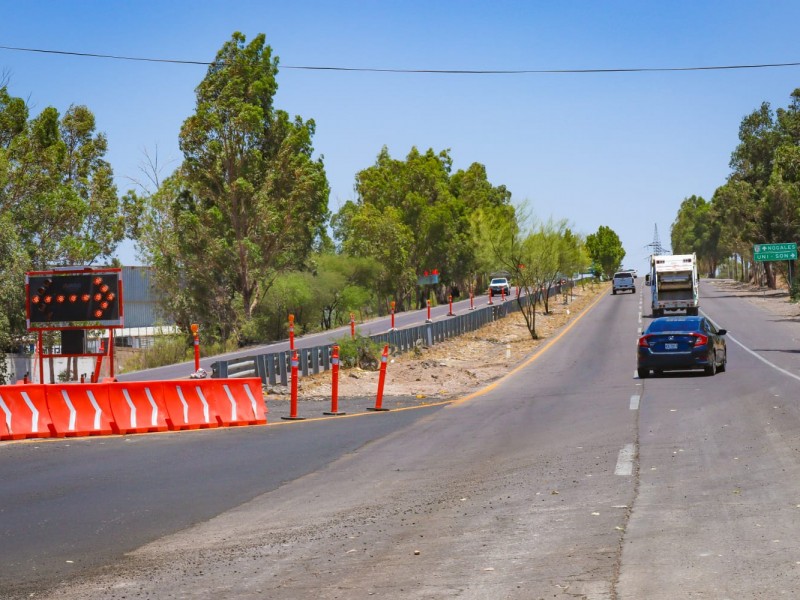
x: 250, y: 194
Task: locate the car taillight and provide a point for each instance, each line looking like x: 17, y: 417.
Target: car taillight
x: 700, y: 339
x: 643, y: 341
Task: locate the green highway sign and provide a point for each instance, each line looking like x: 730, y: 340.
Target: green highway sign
x: 770, y: 252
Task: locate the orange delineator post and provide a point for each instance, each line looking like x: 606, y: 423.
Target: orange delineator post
x: 291, y: 333
x: 428, y: 320
x: 490, y: 296
x: 451, y: 313
x: 293, y: 407
x: 471, y: 300
x: 24, y: 412
x: 334, y: 383
x: 196, y: 336
x: 352, y: 326
x: 381, y: 380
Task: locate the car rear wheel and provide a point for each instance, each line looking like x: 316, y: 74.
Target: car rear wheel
x: 614, y: 292
x: 643, y: 373
x: 724, y: 364
x: 711, y: 369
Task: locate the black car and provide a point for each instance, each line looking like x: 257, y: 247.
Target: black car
x: 680, y: 343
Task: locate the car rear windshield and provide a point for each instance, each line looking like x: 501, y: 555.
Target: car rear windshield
x: 623, y: 276
x: 676, y: 325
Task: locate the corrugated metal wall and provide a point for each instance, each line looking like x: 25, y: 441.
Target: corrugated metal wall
x: 140, y: 298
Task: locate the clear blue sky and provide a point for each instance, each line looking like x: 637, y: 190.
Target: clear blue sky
x: 621, y: 150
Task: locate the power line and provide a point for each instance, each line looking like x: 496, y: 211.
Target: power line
x: 424, y: 71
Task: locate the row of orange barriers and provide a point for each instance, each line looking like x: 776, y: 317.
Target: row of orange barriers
x: 72, y: 409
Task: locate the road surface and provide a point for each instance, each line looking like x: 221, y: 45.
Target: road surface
x: 569, y: 478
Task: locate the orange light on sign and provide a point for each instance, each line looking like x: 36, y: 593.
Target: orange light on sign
x: 98, y: 280
x: 60, y: 298
x: 73, y: 297
x: 110, y: 297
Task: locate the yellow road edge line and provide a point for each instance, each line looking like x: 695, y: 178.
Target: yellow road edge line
x: 532, y: 358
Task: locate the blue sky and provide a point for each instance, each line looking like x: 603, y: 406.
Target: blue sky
x: 621, y: 150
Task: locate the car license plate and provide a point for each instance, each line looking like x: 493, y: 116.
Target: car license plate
x: 670, y: 346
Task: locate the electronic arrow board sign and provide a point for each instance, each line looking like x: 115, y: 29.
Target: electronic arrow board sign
x: 78, y: 297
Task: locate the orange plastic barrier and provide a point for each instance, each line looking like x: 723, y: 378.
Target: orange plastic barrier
x: 191, y: 404
x: 80, y: 409
x: 137, y: 407
x: 240, y: 401
x: 24, y: 413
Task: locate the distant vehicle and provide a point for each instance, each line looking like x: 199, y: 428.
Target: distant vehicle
x: 623, y: 282
x: 681, y: 343
x: 499, y: 286
x: 673, y: 283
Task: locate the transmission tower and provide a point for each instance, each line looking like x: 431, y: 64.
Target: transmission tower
x: 657, y: 249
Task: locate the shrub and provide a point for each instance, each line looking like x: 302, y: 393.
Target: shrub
x: 360, y: 352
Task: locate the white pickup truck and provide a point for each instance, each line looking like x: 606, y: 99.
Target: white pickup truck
x: 622, y: 282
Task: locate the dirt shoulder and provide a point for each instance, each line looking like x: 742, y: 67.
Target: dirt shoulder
x: 776, y: 302
x: 457, y: 366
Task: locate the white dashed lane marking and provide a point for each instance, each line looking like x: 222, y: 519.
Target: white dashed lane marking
x: 625, y: 460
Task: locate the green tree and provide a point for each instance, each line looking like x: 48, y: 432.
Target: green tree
x: 251, y: 200
x: 426, y: 215
x: 696, y: 231
x: 605, y: 249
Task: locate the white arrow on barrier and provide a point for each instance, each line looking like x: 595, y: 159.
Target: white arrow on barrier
x: 203, y: 400
x: 98, y: 412
x: 72, y: 412
x: 131, y: 406
x: 154, y: 416
x: 185, y: 405
x: 34, y: 412
x: 8, y: 414
x: 231, y: 400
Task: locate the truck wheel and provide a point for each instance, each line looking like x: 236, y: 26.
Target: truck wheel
x: 613, y: 292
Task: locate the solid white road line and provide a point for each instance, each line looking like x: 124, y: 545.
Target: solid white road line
x: 755, y: 354
x: 625, y: 460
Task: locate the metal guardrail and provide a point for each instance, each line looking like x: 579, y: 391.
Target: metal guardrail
x: 275, y: 367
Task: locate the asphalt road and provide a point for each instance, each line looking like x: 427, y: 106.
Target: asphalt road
x: 569, y: 478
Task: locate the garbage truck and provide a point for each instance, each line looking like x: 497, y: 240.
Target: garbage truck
x: 674, y: 283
